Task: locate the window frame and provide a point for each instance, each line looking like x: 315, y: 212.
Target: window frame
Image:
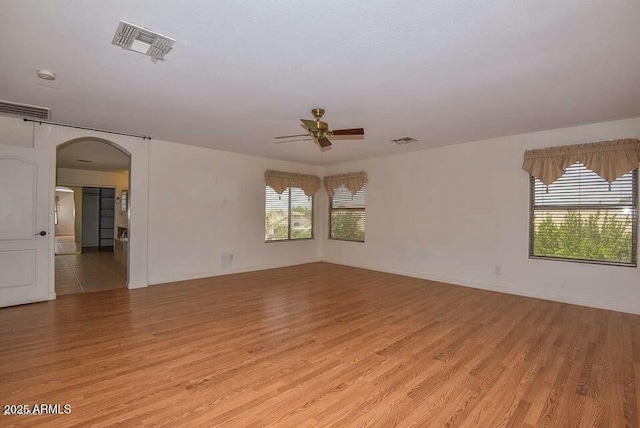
x: 634, y: 233
x: 345, y: 209
x: 289, y: 238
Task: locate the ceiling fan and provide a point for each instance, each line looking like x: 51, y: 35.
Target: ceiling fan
x: 319, y: 130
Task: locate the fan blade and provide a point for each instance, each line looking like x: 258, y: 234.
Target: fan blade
x: 292, y: 141
x: 290, y: 136
x: 353, y: 131
x: 309, y: 124
x: 324, y: 142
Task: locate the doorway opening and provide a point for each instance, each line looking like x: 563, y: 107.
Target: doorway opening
x: 91, y: 216
x: 64, y: 218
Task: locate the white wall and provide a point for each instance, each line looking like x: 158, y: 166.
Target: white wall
x: 87, y: 178
x: 66, y: 218
x: 449, y: 214
x: 453, y: 213
x: 204, y: 203
x: 16, y: 132
x: 200, y: 205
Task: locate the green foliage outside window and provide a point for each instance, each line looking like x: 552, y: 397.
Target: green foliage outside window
x: 597, y: 236
x: 347, y: 225
x: 274, y: 226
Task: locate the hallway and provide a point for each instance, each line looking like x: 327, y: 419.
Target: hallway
x: 88, y: 272
x: 67, y: 245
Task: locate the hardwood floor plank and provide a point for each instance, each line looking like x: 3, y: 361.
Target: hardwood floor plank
x: 317, y: 345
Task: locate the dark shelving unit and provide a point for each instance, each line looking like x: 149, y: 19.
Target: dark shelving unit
x: 107, y: 219
x: 98, y: 218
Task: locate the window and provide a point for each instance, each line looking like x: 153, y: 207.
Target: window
x: 124, y: 200
x: 347, y: 214
x: 581, y: 218
x: 288, y: 216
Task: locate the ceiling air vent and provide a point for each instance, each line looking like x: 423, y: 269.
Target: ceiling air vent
x: 17, y: 109
x: 142, y: 40
x: 404, y: 140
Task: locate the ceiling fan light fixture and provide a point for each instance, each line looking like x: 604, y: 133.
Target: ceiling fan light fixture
x: 319, y: 130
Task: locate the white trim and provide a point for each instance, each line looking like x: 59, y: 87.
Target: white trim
x: 233, y: 271
x: 600, y: 304
x: 135, y: 286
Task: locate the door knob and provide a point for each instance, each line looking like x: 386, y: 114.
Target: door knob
x: 41, y: 233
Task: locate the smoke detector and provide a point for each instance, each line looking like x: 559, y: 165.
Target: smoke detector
x: 142, y: 40
x: 46, y: 75
x: 404, y: 140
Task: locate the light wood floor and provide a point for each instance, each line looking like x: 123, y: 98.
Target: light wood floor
x: 88, y: 272
x: 319, y: 345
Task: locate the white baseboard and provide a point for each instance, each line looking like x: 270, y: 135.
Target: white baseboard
x: 136, y: 286
x: 613, y: 306
x: 221, y: 272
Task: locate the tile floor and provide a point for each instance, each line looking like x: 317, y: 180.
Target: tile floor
x: 87, y: 272
x: 67, y: 245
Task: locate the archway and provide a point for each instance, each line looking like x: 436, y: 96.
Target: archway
x: 99, y: 171
x: 49, y: 137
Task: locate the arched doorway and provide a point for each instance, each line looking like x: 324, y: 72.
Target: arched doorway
x: 98, y: 171
x: 48, y: 137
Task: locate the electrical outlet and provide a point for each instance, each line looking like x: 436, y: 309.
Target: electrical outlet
x: 497, y: 269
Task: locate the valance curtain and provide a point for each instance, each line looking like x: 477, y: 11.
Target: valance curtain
x: 280, y: 181
x: 353, y: 181
x: 609, y: 159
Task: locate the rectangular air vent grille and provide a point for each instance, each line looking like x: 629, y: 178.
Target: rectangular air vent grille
x: 404, y: 140
x: 142, y: 40
x: 17, y: 109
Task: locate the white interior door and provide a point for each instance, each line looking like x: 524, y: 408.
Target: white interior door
x: 24, y: 224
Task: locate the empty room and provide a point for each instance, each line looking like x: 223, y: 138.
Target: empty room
x: 319, y: 213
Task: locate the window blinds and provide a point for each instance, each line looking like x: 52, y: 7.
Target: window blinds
x: 582, y: 217
x: 288, y: 216
x: 347, y: 214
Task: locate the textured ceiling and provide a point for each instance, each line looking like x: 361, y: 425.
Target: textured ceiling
x: 244, y: 71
